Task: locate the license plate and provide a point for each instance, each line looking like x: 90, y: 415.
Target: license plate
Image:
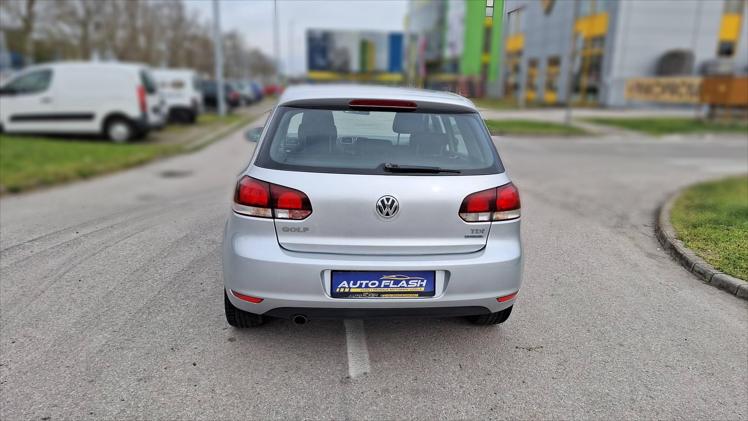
x: 352, y: 284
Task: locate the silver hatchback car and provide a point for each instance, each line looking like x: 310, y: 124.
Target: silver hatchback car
x: 364, y: 201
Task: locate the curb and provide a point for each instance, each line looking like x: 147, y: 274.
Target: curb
x: 212, y: 137
x: 221, y: 133
x: 688, y: 259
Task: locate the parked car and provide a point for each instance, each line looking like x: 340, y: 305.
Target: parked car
x: 232, y: 97
x: 245, y: 91
x: 423, y: 219
x: 257, y: 89
x: 181, y: 90
x: 118, y: 100
x: 272, y: 89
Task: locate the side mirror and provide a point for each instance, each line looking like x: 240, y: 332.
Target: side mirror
x: 253, y: 135
x: 7, y: 92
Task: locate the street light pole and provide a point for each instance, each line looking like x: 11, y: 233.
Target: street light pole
x: 276, y: 49
x: 570, y: 64
x: 218, y: 58
x: 290, y: 47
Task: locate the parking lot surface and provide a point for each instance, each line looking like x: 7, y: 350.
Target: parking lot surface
x: 111, y: 305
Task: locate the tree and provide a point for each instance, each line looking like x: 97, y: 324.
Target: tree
x: 77, y: 25
x: 158, y: 33
x: 25, y: 12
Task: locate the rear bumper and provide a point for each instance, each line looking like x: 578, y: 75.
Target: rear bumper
x: 142, y: 126
x: 291, y: 283
x: 374, y: 313
x: 157, y: 121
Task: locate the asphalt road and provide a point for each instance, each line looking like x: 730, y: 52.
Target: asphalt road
x: 111, y: 305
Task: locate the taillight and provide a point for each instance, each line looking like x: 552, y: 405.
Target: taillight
x: 289, y: 203
x: 265, y: 200
x: 252, y: 197
x: 142, y: 99
x: 495, y: 204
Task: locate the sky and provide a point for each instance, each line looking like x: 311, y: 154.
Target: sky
x: 254, y: 19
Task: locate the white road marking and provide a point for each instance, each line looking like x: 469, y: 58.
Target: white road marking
x: 358, y: 352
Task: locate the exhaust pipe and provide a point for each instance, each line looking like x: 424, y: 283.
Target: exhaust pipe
x: 299, y: 319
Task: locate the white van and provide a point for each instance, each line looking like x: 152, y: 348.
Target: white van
x: 181, y: 91
x: 118, y: 100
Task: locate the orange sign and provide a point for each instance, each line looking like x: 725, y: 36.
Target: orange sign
x: 669, y: 89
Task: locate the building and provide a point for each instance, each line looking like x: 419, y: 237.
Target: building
x: 623, y: 52
x: 364, y: 56
x: 454, y: 45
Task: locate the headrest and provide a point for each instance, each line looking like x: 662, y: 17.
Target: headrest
x: 408, y: 123
x: 321, y: 118
x: 317, y: 123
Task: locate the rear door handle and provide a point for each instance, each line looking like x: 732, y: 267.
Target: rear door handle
x: 46, y: 100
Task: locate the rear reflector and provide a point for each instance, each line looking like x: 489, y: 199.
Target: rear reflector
x: 247, y: 298
x: 495, y: 204
x: 265, y: 200
x: 390, y: 104
x: 506, y: 297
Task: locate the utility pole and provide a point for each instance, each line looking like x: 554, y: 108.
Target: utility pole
x: 570, y: 64
x: 218, y: 58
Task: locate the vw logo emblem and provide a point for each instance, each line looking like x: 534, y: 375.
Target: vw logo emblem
x: 387, y: 207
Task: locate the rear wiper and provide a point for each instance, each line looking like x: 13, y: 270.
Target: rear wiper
x: 417, y: 169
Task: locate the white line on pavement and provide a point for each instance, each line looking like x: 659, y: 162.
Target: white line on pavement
x: 358, y: 352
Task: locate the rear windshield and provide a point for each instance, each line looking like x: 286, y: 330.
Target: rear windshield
x: 148, y: 83
x: 366, y: 142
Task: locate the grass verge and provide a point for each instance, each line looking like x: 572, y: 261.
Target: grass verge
x: 495, y: 104
x: 712, y: 220
x: 670, y: 125
x: 27, y: 162
x: 532, y: 127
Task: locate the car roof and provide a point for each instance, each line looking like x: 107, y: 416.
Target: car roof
x: 343, y: 92
x: 90, y: 65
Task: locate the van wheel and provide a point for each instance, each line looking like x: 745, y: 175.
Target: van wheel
x: 119, y: 130
x: 491, y: 319
x: 240, y: 318
x: 186, y: 116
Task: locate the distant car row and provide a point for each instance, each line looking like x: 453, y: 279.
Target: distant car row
x: 121, y: 101
x: 236, y: 94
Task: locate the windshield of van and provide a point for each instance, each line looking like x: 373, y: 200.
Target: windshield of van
x: 378, y: 142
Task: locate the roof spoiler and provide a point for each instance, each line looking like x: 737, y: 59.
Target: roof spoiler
x: 380, y: 104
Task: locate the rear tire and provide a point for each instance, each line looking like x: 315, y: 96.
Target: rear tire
x: 492, y: 318
x: 240, y: 318
x: 183, y: 116
x: 119, y: 130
